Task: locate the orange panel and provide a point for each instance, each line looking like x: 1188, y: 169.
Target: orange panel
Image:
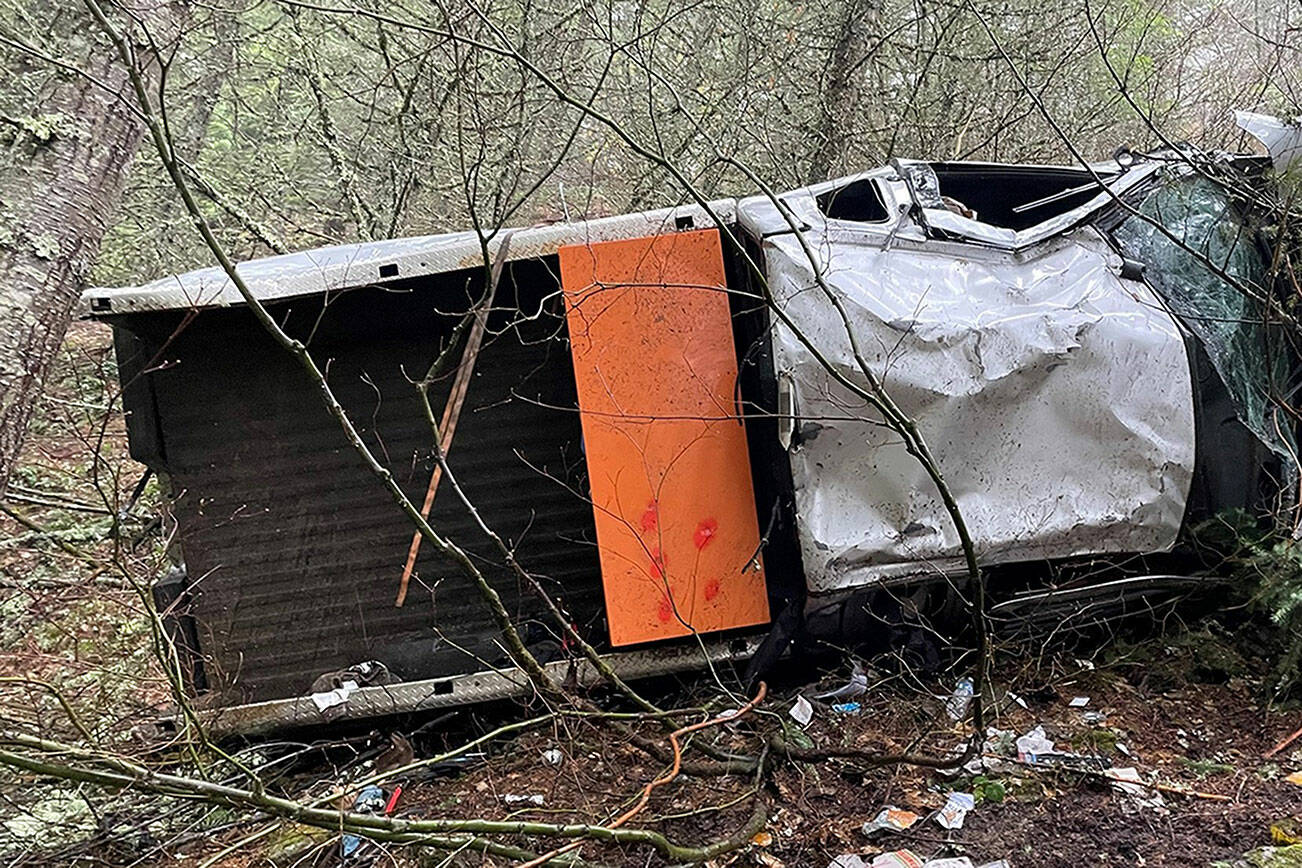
x: 651, y: 338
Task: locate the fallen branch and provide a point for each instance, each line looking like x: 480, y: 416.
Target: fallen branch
x: 665, y: 778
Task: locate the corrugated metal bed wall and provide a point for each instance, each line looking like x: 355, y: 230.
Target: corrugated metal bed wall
x: 295, y: 552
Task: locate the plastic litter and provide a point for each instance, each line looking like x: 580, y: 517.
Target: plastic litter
x: 847, y: 708
x: 857, y: 686
x: 327, y: 699
x: 898, y: 859
x: 1295, y: 778
x: 1077, y: 761
x: 802, y: 712
x: 890, y: 818
x: 951, y: 862
x: 955, y: 810
x: 523, y: 799
x: 371, y: 800
x: 1094, y: 718
x: 848, y: 860
x: 1127, y: 781
x: 1079, y: 701
x: 960, y: 699
x: 1034, y: 742
x: 553, y: 757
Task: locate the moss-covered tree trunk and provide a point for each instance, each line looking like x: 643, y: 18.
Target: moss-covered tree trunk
x: 69, y: 143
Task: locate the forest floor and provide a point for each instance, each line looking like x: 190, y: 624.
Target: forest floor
x: 1185, y: 705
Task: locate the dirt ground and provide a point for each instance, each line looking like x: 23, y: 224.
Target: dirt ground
x: 1198, y: 738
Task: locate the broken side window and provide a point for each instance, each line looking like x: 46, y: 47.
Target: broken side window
x: 1245, y: 351
x: 1012, y: 197
x: 1010, y: 207
x: 860, y: 201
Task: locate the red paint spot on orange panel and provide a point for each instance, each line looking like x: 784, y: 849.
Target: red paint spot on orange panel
x: 705, y: 532
x: 649, y: 516
x: 651, y: 339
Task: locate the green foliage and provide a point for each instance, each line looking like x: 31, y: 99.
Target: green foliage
x: 988, y: 790
x: 1267, y: 566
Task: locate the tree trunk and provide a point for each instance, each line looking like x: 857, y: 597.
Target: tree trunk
x: 67, y: 164
x: 842, y: 88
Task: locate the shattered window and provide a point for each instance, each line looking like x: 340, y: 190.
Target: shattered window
x: 860, y: 201
x: 1013, y: 197
x: 1228, y: 323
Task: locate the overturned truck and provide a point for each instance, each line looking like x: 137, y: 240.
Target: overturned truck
x: 662, y: 417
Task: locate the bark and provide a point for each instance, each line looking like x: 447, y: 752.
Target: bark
x: 66, y: 171
x: 843, y: 87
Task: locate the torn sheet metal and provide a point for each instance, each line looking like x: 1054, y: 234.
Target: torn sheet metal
x: 1056, y: 396
x: 1282, y: 139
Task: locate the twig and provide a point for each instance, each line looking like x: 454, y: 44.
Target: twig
x: 664, y: 778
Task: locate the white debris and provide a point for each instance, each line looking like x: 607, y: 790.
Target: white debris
x: 330, y: 698
x: 848, y: 860
x: 1034, y: 742
x: 956, y: 807
x: 553, y: 757
x: 855, y: 687
x: 1127, y: 780
x: 802, y: 712
x: 1079, y: 701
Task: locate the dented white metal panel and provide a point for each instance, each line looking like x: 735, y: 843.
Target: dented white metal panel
x: 1281, y: 139
x: 1056, y: 396
x: 347, y: 266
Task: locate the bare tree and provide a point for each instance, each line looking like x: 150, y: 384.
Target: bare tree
x: 69, y: 147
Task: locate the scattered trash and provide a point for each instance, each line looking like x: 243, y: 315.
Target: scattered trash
x: 1085, y: 664
x: 849, y: 860
x: 393, y: 799
x: 1079, y: 701
x: 1127, y: 780
x: 328, y: 699
x: 1295, y: 778
x: 1075, y: 761
x: 762, y: 839
x: 553, y: 757
x: 956, y: 705
x: 998, y: 863
x: 529, y: 799
x: 363, y: 674
x: 1019, y: 700
x: 890, y: 819
x: 847, y: 708
x: 802, y: 712
x: 951, y: 862
x: 1034, y: 742
x: 857, y: 686
x: 1094, y: 718
x: 371, y: 800
x: 897, y: 859
x: 955, y: 809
